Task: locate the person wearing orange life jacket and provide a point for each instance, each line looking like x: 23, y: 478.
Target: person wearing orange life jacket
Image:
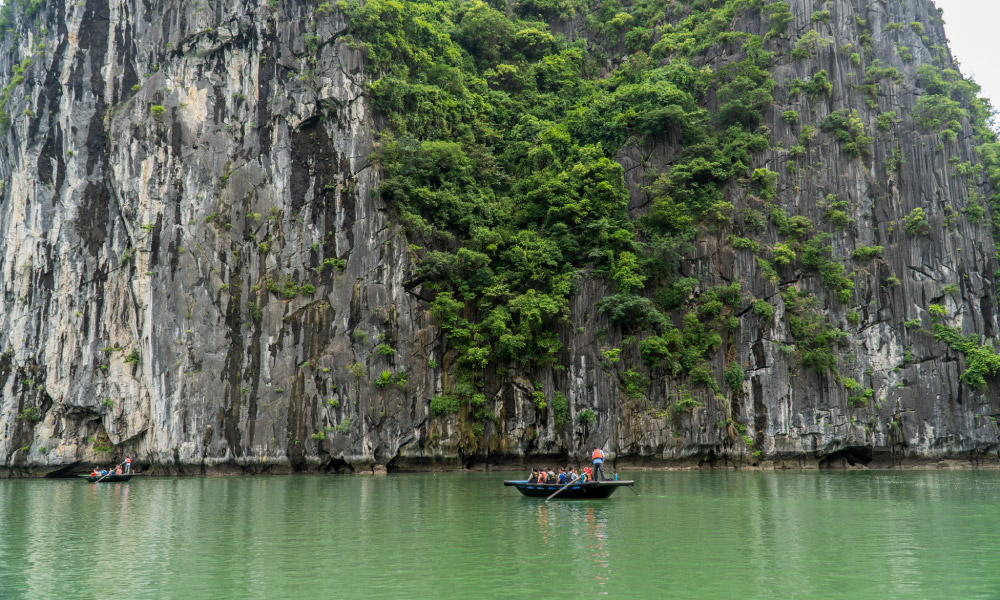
x: 588, y: 475
x: 598, y: 458
x: 128, y: 465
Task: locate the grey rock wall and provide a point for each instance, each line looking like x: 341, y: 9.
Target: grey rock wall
x: 196, y: 273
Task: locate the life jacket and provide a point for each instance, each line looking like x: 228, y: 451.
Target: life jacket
x: 598, y: 453
x: 541, y: 477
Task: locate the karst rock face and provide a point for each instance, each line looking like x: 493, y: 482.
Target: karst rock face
x: 198, y: 270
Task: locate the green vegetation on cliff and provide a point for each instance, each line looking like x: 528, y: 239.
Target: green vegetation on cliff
x: 502, y: 153
x: 499, y: 156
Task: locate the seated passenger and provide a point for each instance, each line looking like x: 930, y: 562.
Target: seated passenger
x: 561, y: 478
x: 534, y: 476
x: 573, y: 476
x: 588, y: 475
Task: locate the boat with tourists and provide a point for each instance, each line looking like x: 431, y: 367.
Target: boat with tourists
x: 572, y: 491
x: 120, y: 472
x: 106, y: 478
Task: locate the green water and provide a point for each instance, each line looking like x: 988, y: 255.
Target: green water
x: 462, y: 535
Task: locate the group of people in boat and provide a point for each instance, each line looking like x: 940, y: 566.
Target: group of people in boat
x: 564, y: 476
x: 123, y: 468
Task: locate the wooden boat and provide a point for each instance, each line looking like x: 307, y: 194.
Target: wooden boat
x: 107, y: 478
x: 575, y: 491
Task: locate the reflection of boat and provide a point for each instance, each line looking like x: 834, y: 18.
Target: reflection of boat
x: 575, y: 491
x: 108, y: 478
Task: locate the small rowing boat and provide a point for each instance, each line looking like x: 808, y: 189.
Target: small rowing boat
x: 107, y: 478
x: 574, y: 491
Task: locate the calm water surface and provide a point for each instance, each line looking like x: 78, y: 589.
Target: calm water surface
x: 462, y: 535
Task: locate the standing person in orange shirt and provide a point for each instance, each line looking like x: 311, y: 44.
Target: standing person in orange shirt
x: 598, y: 458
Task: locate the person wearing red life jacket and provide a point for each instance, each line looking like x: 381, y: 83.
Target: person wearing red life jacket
x: 598, y: 458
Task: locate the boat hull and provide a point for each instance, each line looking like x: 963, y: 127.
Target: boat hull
x: 108, y: 478
x: 576, y: 491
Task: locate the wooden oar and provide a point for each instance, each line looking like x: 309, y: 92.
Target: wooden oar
x: 629, y: 487
x: 563, y: 487
x: 110, y: 471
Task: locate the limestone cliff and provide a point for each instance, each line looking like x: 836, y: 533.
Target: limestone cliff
x: 198, y: 271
